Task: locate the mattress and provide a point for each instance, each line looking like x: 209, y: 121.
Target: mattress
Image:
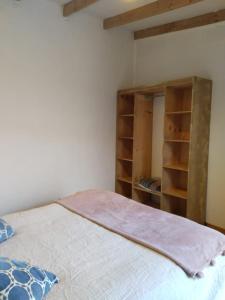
x: 94, y: 263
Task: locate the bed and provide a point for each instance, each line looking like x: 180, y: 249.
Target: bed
x: 94, y: 263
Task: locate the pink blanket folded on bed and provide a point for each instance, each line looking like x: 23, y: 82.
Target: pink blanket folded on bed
x: 188, y: 244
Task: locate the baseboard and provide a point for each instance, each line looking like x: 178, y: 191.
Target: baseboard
x: 216, y: 228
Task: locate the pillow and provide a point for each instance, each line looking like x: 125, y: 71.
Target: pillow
x: 21, y: 281
x: 6, y: 231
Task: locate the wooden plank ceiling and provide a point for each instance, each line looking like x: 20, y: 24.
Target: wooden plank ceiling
x: 150, y: 10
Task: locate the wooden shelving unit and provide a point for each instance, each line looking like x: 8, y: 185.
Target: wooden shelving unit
x: 185, y: 150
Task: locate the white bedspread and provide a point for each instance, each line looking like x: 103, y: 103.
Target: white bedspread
x: 95, y: 264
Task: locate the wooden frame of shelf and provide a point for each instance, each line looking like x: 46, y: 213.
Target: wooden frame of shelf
x: 185, y: 149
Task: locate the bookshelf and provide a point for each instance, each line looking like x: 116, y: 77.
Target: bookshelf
x: 185, y: 145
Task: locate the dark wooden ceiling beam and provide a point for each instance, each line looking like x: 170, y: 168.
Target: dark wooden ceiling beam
x: 198, y: 21
x: 76, y: 5
x: 152, y: 9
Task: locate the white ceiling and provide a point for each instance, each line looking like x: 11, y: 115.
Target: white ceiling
x: 108, y: 8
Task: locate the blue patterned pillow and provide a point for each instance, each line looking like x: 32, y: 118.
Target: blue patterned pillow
x: 21, y: 281
x: 6, y: 231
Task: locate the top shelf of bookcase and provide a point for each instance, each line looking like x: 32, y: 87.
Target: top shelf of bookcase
x: 159, y: 88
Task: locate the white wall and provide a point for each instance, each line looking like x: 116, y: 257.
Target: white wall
x: 58, y: 81
x: 198, y: 52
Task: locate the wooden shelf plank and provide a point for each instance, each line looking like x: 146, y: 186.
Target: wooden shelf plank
x: 125, y: 159
x: 125, y: 179
x: 127, y: 115
x: 174, y: 166
x: 139, y: 188
x: 184, y: 112
x: 178, y: 193
x: 126, y: 137
x: 176, y: 141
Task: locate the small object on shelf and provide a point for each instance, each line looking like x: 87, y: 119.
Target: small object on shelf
x: 152, y: 184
